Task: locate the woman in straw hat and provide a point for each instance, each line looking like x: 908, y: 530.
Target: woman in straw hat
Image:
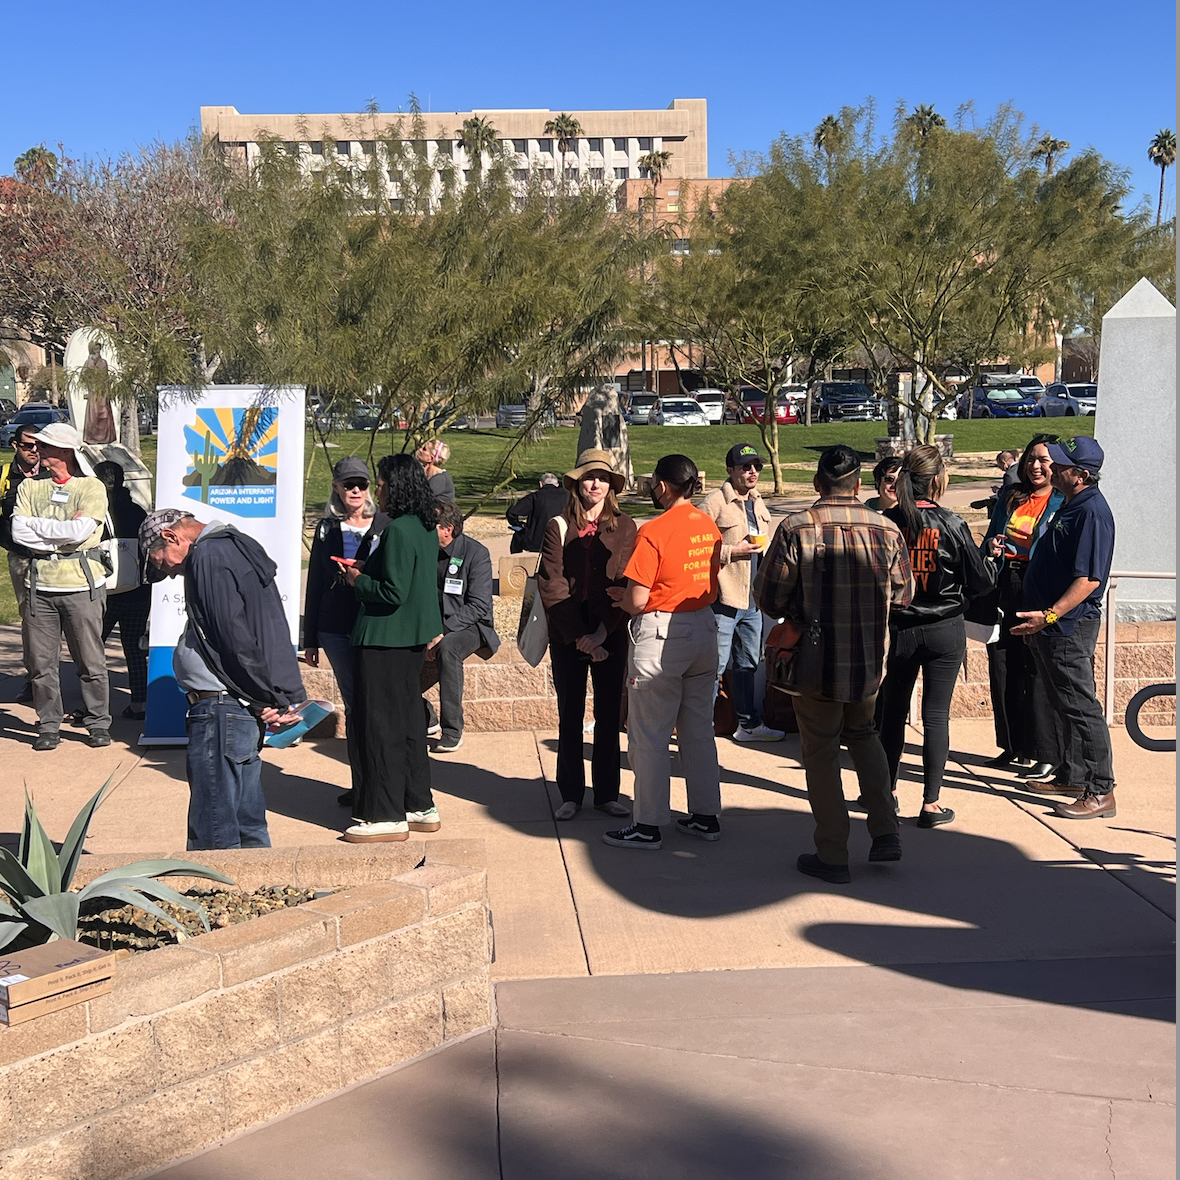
x: 584, y: 553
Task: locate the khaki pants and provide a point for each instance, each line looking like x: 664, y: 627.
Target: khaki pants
x: 78, y: 617
x: 671, y: 669
x: 18, y: 569
x: 823, y: 724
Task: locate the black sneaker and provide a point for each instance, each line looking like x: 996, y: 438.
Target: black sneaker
x: 935, y: 819
x: 887, y: 847
x: 47, y: 741
x: 704, y: 826
x: 99, y: 738
x: 811, y: 864
x: 635, y: 836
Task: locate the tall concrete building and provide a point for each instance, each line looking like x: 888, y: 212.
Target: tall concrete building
x: 608, y: 151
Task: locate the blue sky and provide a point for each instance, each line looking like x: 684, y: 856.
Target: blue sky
x: 103, y: 80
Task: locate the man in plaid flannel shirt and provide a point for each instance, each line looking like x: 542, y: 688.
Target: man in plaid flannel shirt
x: 864, y: 573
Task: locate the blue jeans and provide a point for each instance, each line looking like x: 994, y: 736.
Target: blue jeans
x: 226, y: 808
x: 339, y: 652
x: 739, y: 632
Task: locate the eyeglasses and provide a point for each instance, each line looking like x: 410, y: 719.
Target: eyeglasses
x: 751, y: 467
x: 27, y: 444
x: 351, y: 485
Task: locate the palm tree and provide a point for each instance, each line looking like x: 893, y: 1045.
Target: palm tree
x: 38, y: 165
x: 829, y: 139
x: 1048, y: 149
x: 654, y: 163
x: 477, y: 135
x: 1162, y: 153
x: 565, y: 129
x: 924, y: 119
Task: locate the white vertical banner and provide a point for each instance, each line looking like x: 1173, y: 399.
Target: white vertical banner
x: 234, y: 453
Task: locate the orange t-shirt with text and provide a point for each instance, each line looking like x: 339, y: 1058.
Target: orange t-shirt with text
x: 677, y: 557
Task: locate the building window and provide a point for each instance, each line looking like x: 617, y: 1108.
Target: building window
x: 521, y: 174
x: 621, y: 173
x: 681, y: 246
x: 571, y: 174
x: 442, y: 147
x: 467, y: 174
x: 620, y: 144
x: 644, y: 173
x: 645, y: 143
x: 595, y: 145
x: 544, y: 145
x: 316, y: 148
x: 520, y: 147
x: 343, y: 147
x: 395, y: 204
x: 597, y: 173
x: 368, y: 147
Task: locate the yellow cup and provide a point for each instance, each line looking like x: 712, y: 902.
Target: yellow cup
x: 758, y: 539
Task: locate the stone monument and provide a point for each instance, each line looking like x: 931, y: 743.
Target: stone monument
x: 1136, y: 425
x: 605, y: 429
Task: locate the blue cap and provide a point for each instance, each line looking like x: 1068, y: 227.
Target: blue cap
x: 1081, y: 451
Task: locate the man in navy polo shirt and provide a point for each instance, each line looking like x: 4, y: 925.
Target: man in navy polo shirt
x: 1063, y: 588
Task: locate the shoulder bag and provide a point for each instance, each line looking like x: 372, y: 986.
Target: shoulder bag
x: 532, y: 633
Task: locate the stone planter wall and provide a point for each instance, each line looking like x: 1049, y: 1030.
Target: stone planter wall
x: 200, y: 1041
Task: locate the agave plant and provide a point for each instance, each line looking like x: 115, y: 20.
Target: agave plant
x: 37, y: 881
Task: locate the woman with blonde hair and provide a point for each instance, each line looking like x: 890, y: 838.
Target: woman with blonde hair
x: 583, y: 556
x: 433, y: 455
x: 929, y: 635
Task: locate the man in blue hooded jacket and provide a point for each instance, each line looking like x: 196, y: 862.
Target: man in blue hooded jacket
x: 235, y: 663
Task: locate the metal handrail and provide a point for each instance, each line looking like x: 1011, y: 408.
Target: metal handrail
x: 1111, y: 624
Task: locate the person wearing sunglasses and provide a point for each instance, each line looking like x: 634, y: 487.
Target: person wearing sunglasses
x: 349, y: 530
x: 26, y: 464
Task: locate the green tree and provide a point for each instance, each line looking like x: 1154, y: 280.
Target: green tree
x: 829, y: 138
x: 1162, y: 153
x: 1048, y: 149
x: 478, y: 136
x: 924, y: 120
x: 565, y: 129
x: 37, y: 166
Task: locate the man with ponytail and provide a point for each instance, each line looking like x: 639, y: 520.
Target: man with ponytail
x: 836, y: 570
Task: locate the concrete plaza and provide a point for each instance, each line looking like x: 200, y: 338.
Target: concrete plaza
x: 1001, y: 1001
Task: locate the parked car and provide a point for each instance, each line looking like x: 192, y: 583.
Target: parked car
x: 367, y: 417
x: 748, y: 406
x: 642, y: 407
x: 844, y: 401
x: 38, y: 413
x: 679, y: 411
x: 1065, y: 400
x: 712, y: 401
x: 514, y: 415
x: 1002, y: 395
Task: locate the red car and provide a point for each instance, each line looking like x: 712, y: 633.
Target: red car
x: 753, y: 408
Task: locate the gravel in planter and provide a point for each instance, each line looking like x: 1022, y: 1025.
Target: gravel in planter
x: 129, y: 928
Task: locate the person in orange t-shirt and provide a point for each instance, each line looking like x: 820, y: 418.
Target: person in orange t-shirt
x: 671, y: 584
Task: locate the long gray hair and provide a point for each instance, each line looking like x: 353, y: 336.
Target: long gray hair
x: 337, y: 509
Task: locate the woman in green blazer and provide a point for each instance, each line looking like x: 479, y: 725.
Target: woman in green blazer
x: 399, y: 619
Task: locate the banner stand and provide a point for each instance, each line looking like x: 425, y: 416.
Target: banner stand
x: 231, y: 453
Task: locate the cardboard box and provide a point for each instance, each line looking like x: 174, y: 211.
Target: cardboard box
x: 54, y: 1003
x: 53, y: 967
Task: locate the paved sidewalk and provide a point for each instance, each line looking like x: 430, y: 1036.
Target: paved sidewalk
x: 997, y: 1002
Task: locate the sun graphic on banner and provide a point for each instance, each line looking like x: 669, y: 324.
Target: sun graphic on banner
x: 234, y: 459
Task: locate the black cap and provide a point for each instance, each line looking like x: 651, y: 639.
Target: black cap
x: 743, y: 453
x: 350, y: 467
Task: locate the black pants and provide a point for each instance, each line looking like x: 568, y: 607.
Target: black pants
x: 391, y: 769
x: 129, y: 612
x: 1066, y: 664
x: 453, y: 649
x: 936, y: 650
x: 569, y: 680
x: 1025, y: 723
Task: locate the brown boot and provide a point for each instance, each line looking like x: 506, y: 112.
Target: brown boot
x: 1050, y: 788
x: 1089, y: 806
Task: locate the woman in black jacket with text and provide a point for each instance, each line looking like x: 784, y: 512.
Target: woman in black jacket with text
x: 929, y: 636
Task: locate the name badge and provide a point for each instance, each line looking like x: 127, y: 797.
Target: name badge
x: 453, y: 586
x: 59, y: 496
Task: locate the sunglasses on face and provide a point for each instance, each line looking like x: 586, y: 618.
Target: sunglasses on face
x: 27, y: 446
x: 352, y: 485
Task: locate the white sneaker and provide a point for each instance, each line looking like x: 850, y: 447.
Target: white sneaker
x: 760, y: 733
x: 424, y: 821
x: 434, y: 731
x: 363, y: 833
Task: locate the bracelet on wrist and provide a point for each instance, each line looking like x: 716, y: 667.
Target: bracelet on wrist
x: 1051, y: 617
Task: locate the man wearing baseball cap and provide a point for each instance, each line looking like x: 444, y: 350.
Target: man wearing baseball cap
x: 60, y: 521
x: 743, y: 521
x: 235, y: 664
x: 1063, y: 587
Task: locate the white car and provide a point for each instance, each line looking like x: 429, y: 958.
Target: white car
x: 712, y: 401
x: 679, y: 411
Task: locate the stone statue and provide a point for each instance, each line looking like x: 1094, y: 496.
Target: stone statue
x: 605, y: 429
x: 100, y: 418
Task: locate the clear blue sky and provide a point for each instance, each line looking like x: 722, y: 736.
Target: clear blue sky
x: 101, y: 80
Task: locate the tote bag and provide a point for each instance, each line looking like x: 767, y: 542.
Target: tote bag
x: 532, y: 633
